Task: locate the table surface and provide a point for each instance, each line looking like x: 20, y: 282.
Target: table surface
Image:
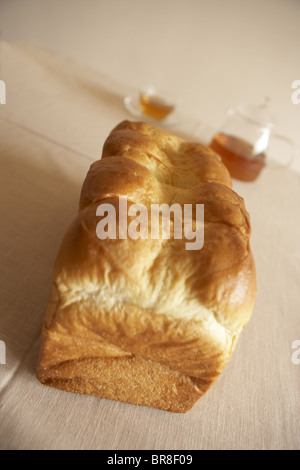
x: 57, y: 116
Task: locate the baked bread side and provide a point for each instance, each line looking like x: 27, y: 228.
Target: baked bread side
x: 146, y: 321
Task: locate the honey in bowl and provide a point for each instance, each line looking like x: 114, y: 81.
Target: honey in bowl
x: 237, y: 155
x: 154, y: 106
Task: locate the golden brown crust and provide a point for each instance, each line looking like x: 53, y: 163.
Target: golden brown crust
x: 147, y: 321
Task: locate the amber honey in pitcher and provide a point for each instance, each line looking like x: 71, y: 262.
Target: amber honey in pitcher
x: 237, y: 155
x: 155, y: 107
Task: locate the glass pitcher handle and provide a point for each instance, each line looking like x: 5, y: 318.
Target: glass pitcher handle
x: 293, y: 151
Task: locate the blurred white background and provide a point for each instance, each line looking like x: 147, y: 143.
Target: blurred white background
x: 210, y: 54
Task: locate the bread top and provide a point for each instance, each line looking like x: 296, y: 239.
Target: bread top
x: 214, y: 286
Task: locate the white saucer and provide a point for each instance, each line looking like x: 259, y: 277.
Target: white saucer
x: 132, y: 105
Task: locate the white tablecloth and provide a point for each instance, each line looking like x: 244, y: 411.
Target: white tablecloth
x: 56, y: 119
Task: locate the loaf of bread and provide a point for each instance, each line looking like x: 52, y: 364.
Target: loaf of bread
x: 147, y: 321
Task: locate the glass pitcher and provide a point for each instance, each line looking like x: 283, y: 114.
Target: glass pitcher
x: 243, y: 140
